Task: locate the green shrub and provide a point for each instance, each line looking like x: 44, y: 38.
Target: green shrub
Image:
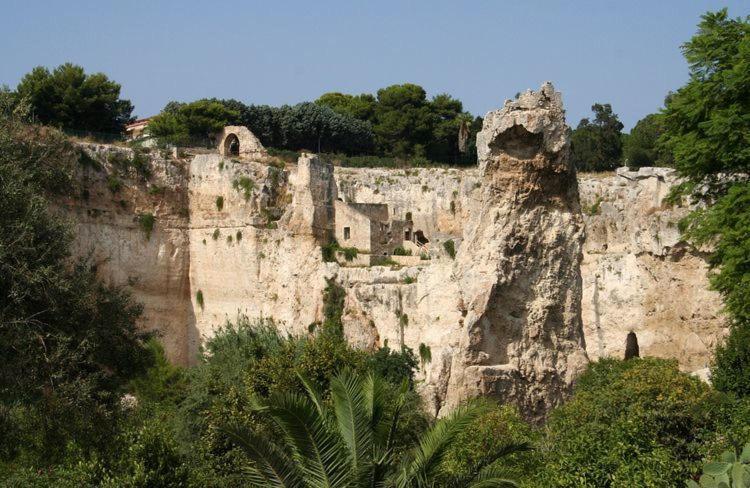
x: 114, y: 183
x: 329, y: 251
x: 409, y: 280
x: 149, y: 456
x: 239, y: 235
x: 350, y: 253
x: 731, y: 369
x: 639, y: 422
x: 244, y: 184
x: 400, y: 251
x: 216, y: 234
x: 220, y: 203
x: 147, y: 221
x: 199, y: 298
x: 425, y: 354
x: 450, y: 248
x: 499, y: 428
x: 595, y: 207
x: 162, y: 382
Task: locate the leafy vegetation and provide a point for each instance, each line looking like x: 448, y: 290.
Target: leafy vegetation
x: 597, y: 144
x: 706, y: 127
x: 641, y: 147
x: 244, y: 184
x: 69, y: 98
x: 630, y: 423
x: 732, y: 471
x: 146, y: 221
x: 86, y: 399
x: 62, y: 368
x: 351, y: 442
x: 450, y: 248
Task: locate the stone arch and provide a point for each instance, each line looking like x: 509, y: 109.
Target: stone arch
x: 238, y: 141
x: 231, y: 145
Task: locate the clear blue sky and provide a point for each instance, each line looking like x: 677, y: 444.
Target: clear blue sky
x: 272, y: 52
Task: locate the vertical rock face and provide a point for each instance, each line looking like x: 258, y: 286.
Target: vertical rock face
x: 519, y: 266
x: 314, y: 191
x: 503, y: 319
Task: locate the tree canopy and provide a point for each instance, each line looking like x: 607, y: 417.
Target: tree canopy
x: 707, y: 129
x: 597, y: 144
x: 68, y: 342
x: 181, y: 123
x: 69, y: 98
x: 707, y: 121
x: 640, y: 147
x: 406, y: 124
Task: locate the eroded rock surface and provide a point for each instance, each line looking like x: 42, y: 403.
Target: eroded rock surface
x: 518, y: 268
x: 503, y: 318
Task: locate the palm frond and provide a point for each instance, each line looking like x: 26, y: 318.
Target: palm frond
x: 318, y: 450
x: 271, y: 466
x: 315, y: 396
x: 353, y: 422
x: 424, y: 460
x: 397, y: 414
x: 492, y: 477
x: 374, y: 389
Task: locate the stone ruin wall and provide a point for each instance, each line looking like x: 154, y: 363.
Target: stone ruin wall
x: 635, y: 272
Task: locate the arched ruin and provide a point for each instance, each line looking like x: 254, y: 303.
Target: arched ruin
x: 238, y: 141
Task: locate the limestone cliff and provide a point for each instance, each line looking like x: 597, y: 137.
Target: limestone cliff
x: 243, y: 235
x: 518, y: 267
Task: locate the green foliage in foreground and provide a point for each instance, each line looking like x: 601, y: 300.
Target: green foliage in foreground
x: 630, y: 423
x: 706, y: 121
x: 351, y: 442
x: 732, y: 471
x: 69, y: 343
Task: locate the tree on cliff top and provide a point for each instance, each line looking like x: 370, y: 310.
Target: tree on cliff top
x: 67, y: 97
x: 181, y: 123
x: 707, y: 128
x: 641, y: 148
x: 597, y: 144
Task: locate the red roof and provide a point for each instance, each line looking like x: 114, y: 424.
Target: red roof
x: 138, y: 122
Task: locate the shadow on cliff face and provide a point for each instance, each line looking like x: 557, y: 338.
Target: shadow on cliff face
x: 518, y: 143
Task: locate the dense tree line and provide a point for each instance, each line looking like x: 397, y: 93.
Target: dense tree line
x: 400, y: 122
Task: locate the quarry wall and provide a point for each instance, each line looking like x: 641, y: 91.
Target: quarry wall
x: 235, y: 236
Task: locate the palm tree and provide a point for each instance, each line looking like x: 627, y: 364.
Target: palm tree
x: 351, y: 443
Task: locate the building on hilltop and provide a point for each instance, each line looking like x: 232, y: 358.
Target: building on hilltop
x: 137, y: 128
